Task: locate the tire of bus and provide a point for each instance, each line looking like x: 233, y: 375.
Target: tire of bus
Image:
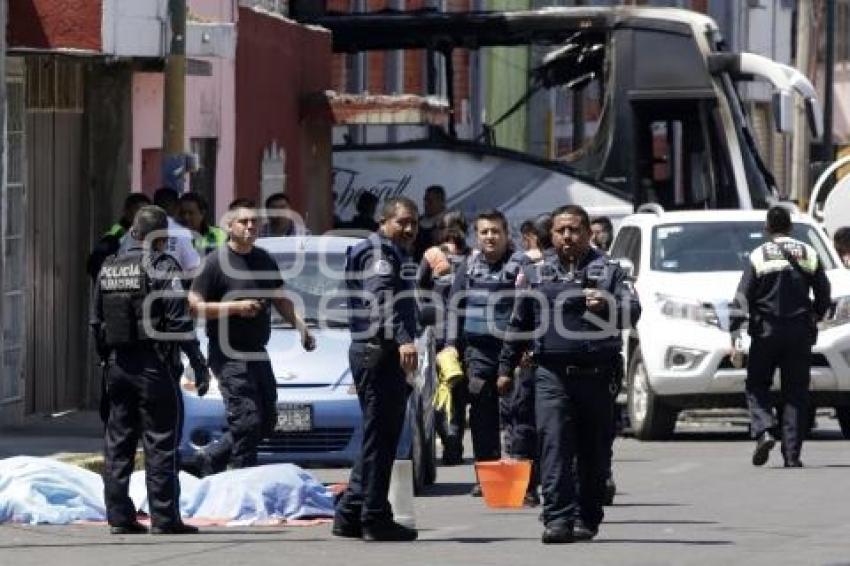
x: 650, y: 418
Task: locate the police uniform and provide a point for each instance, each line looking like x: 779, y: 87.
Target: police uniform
x: 142, y: 376
x: 575, y: 358
x: 450, y: 427
x: 383, y: 317
x: 523, y: 428
x: 776, y: 285
x: 482, y: 300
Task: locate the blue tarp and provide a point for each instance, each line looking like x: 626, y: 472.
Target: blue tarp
x: 41, y: 490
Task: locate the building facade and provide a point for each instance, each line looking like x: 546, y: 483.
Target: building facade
x: 84, y: 128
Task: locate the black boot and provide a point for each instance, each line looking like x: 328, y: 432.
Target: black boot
x: 389, y: 531
x: 764, y: 445
x: 558, y: 534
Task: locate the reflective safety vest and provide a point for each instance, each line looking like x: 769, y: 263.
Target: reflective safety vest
x: 490, y: 297
x: 214, y: 238
x: 124, y: 283
x: 116, y: 230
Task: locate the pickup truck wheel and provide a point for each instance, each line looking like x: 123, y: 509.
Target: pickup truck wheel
x: 650, y: 418
x: 843, y: 416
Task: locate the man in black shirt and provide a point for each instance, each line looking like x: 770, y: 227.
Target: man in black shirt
x: 233, y: 292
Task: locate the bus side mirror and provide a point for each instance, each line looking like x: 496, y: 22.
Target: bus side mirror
x: 783, y: 112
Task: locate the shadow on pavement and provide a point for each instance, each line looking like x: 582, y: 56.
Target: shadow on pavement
x: 474, y: 540
x: 663, y: 541
x: 741, y: 436
x: 448, y: 488
x: 660, y: 522
x: 649, y: 504
x: 159, y: 540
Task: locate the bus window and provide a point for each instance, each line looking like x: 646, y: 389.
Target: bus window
x: 680, y: 163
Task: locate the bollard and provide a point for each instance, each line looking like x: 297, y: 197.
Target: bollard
x: 401, y: 493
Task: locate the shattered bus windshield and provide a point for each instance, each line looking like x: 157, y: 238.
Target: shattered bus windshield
x: 607, y: 107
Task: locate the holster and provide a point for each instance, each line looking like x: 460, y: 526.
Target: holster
x: 372, y: 354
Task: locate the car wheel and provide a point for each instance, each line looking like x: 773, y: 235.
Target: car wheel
x: 422, y: 455
x: 843, y: 416
x: 650, y: 418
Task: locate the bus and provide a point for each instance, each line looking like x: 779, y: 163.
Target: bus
x: 671, y: 127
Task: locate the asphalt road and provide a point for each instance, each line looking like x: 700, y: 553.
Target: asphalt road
x: 694, y: 500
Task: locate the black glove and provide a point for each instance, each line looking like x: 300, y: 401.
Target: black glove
x: 202, y: 379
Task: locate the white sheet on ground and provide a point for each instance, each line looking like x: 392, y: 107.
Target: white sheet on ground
x: 41, y: 490
x: 274, y: 491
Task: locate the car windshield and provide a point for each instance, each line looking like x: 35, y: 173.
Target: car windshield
x: 720, y: 246
x: 315, y: 278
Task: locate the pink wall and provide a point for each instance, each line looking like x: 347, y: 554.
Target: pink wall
x: 210, y: 109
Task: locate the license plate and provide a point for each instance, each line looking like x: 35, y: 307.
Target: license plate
x: 294, y: 418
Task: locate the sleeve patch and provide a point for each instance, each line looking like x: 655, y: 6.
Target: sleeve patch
x: 382, y: 267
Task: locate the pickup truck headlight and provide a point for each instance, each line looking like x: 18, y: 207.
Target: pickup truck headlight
x: 688, y: 309
x: 839, y: 313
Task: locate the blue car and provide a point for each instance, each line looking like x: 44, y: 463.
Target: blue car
x: 319, y: 419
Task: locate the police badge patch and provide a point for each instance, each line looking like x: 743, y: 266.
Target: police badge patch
x: 383, y: 267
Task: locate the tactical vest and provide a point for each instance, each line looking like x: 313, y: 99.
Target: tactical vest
x: 568, y: 330
x: 485, y: 310
x: 124, y: 284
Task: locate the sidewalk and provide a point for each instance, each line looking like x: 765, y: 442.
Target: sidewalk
x: 76, y: 432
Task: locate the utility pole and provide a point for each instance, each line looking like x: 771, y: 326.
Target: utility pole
x: 800, y: 142
x: 828, y: 153
x: 174, y: 102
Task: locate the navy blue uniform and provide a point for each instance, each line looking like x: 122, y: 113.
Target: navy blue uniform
x: 142, y: 392
x: 575, y: 357
x: 520, y: 404
x: 480, y: 306
x: 782, y: 325
x: 383, y: 317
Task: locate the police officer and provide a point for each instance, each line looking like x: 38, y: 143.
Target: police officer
x: 139, y: 295
x: 774, y: 289
x: 480, y: 306
x: 537, y: 238
x: 575, y: 314
x: 383, y: 327
x: 110, y: 241
x: 194, y: 213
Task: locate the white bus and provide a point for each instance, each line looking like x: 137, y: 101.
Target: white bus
x: 671, y: 128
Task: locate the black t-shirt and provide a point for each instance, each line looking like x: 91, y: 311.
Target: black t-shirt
x: 229, y: 276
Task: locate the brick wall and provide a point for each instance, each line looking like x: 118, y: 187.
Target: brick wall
x: 51, y: 24
x: 414, y: 60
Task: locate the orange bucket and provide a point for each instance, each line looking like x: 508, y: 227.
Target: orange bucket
x: 504, y: 482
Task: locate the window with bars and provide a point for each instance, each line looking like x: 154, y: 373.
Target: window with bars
x: 12, y: 235
x: 54, y: 85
